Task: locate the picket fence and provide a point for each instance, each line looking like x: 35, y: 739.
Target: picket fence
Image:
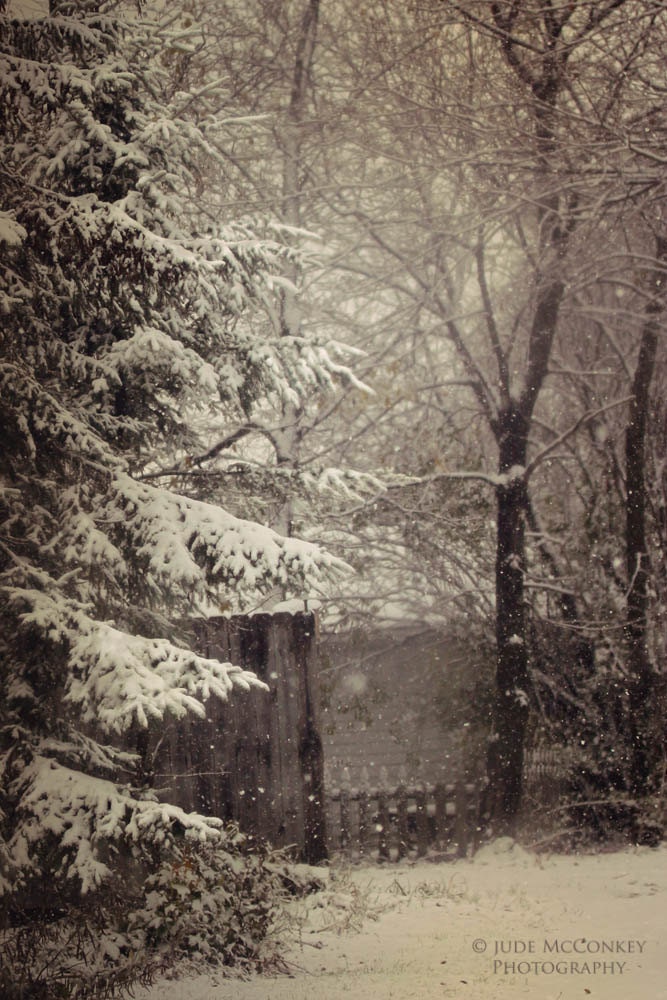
x: 391, y: 824
x: 388, y: 824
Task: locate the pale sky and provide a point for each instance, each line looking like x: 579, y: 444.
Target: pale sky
x: 27, y: 8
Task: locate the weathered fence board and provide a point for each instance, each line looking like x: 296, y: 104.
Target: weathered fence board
x: 257, y: 759
x: 390, y: 824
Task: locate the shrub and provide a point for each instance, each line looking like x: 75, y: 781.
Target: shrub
x: 212, y: 904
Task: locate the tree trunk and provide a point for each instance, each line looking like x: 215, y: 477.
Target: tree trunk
x: 640, y: 669
x: 288, y: 440
x: 506, y: 747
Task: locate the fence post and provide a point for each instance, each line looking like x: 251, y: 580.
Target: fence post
x: 462, y: 818
x: 345, y: 832
x: 422, y: 821
x: 441, y: 831
x: 383, y: 828
x: 363, y: 822
x: 402, y: 823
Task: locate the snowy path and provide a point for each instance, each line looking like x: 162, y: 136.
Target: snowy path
x: 416, y: 932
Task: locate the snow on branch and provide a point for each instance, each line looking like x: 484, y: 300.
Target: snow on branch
x: 81, y: 543
x: 87, y: 754
x: 294, y: 366
x: 186, y: 544
x: 347, y: 483
x: 37, y: 413
x: 84, y: 813
x: 157, y: 351
x: 117, y: 679
x: 11, y: 232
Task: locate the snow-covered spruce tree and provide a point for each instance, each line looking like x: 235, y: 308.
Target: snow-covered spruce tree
x: 120, y: 322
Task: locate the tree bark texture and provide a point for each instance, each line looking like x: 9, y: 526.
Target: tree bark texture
x: 502, y: 801
x: 639, y: 666
x: 506, y: 747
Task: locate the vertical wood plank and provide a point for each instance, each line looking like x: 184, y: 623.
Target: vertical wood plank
x: 363, y: 822
x: 461, y: 822
x: 286, y: 773
x: 441, y: 820
x: 383, y: 828
x: 422, y: 822
x: 311, y: 757
x: 344, y: 833
x: 402, y: 822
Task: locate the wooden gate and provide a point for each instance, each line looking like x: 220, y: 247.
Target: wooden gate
x: 258, y: 758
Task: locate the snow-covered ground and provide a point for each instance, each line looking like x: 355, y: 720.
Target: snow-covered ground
x: 507, y: 924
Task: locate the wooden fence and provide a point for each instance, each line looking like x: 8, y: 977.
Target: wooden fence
x: 544, y: 776
x: 257, y: 759
x: 391, y: 824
